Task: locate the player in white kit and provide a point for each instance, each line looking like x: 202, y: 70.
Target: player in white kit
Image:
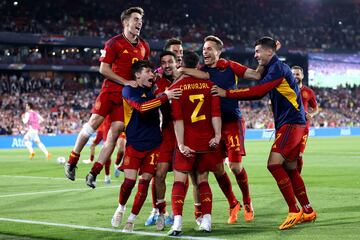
x: 33, y: 119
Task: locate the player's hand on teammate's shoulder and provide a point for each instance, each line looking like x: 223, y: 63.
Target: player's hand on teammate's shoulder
x: 186, y: 151
x: 217, y: 91
x: 174, y: 93
x: 131, y: 83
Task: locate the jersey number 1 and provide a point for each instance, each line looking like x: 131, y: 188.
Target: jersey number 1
x: 194, y: 115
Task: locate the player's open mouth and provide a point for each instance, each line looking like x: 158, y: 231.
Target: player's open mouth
x: 151, y: 80
x: 138, y: 28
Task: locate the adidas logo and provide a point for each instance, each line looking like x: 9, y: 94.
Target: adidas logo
x: 207, y: 200
x: 179, y: 201
x: 125, y: 51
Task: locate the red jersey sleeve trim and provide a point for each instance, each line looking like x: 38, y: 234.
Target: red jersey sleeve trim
x: 253, y: 93
x: 148, y: 105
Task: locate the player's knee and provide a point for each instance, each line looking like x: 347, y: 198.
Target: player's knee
x: 146, y: 176
x: 236, y: 168
x: 219, y: 171
x: 87, y: 130
x: 160, y: 176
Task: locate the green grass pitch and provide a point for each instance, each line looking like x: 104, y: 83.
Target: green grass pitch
x: 37, y: 191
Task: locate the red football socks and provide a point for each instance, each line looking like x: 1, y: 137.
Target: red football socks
x: 205, y: 197
x: 177, y: 197
x: 242, y: 180
x: 225, y: 186
x: 140, y: 196
x: 161, y: 206
x: 300, y: 190
x: 197, y: 212
x: 73, y: 158
x: 96, y: 169
x: 125, y: 190
x: 284, y: 184
x: 107, y: 167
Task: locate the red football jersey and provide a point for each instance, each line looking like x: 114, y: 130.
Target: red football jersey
x: 196, y: 107
x: 121, y: 54
x: 161, y: 85
x: 308, y: 98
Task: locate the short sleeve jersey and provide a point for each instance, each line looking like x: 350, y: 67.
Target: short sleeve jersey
x: 121, y: 54
x: 196, y: 107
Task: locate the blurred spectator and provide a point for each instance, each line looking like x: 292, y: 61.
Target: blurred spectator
x: 65, y: 111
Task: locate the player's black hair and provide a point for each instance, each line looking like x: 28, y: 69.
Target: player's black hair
x: 190, y: 59
x: 171, y: 41
x: 166, y: 53
x: 138, y: 66
x: 31, y: 105
x: 266, y: 42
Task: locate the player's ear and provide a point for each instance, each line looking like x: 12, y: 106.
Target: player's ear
x: 137, y: 75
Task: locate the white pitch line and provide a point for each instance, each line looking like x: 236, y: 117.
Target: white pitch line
x: 36, y: 177
x: 101, y: 229
x: 54, y: 191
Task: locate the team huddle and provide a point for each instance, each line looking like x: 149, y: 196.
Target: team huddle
x: 186, y: 119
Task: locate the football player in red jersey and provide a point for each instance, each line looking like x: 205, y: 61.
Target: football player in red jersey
x: 290, y: 125
x: 119, y: 54
x: 142, y: 121
x: 197, y: 125
x: 309, y: 99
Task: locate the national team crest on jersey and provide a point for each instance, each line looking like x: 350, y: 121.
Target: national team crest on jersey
x: 97, y: 105
x: 305, y: 94
x: 126, y: 160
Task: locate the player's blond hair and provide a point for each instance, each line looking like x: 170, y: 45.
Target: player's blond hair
x: 219, y: 43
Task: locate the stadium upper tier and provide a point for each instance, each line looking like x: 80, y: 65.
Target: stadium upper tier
x: 297, y: 24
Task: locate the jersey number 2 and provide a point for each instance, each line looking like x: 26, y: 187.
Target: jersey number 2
x: 194, y: 115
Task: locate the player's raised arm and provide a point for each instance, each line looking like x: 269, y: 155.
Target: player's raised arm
x: 273, y: 79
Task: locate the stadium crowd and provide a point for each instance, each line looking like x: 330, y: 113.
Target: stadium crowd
x: 65, y: 111
x: 298, y: 24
